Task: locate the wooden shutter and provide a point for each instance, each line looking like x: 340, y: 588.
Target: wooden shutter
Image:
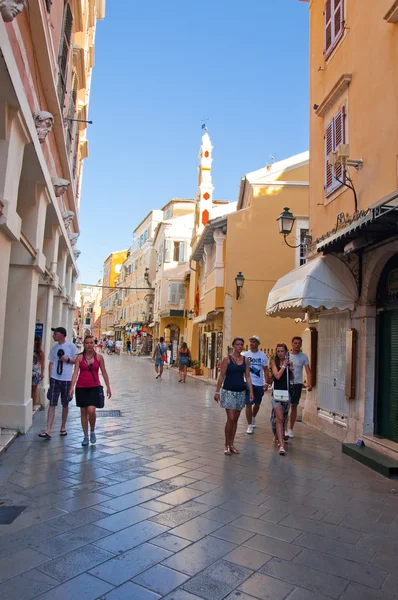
x: 64, y: 53
x: 328, y: 24
x: 328, y: 148
x: 338, y: 20
x: 168, y: 250
x: 173, y: 290
x: 339, y: 138
x: 181, y: 256
x: 180, y: 292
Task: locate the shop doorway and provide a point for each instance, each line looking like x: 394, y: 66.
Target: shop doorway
x: 386, y: 405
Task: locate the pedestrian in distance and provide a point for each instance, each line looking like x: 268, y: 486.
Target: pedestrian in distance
x: 128, y: 347
x: 62, y: 357
x: 234, y: 369
x: 159, y: 356
x: 100, y: 345
x: 259, y: 375
x: 299, y: 360
x: 118, y: 346
x: 89, y: 391
x: 282, y: 371
x: 184, y: 360
x: 37, y: 369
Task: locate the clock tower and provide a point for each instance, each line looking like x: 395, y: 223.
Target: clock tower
x: 204, y: 194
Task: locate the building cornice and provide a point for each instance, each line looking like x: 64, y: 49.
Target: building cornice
x: 334, y: 94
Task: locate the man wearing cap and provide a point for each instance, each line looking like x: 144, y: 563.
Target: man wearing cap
x: 259, y: 376
x: 62, y: 358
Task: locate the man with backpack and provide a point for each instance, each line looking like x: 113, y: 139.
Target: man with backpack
x: 159, y: 356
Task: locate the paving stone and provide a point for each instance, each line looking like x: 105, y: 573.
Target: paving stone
x: 273, y: 547
x: 83, y: 587
x: 199, y: 555
x: 119, y: 489
x: 295, y: 509
x: 246, y: 557
x: 233, y: 534
x: 171, y: 472
x: 196, y: 528
x: 131, y: 499
x: 300, y: 575
x: 266, y: 588
x: 120, y: 569
x: 279, y: 532
x: 170, y: 542
x: 359, y: 592
x: 131, y: 537
x: 180, y: 496
x: 302, y: 594
x: 323, y: 529
x: 161, y: 579
x: 131, y: 591
x: 125, y: 518
x: 180, y: 595
x: 170, y: 485
x: 215, y: 582
x: 73, y: 563
x: 237, y: 595
x: 379, y: 543
x: 18, y: 563
x: 391, y: 583
x: 80, y: 502
x: 27, y: 586
x: 220, y: 515
x: 156, y: 506
x: 330, y: 546
x: 180, y: 514
x: 203, y: 486
x: 242, y: 508
x: 66, y: 542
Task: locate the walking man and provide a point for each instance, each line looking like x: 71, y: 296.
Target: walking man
x: 299, y: 360
x: 259, y: 376
x: 62, y: 358
x: 158, y: 356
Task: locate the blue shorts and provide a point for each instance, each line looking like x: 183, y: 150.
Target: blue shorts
x: 258, y: 392
x: 159, y: 362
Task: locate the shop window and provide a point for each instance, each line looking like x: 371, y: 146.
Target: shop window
x: 64, y: 49
x: 333, y: 24
x: 334, y: 136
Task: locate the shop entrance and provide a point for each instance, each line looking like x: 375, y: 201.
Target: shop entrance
x: 386, y: 405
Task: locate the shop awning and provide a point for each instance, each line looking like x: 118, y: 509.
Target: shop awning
x: 200, y: 318
x: 324, y: 282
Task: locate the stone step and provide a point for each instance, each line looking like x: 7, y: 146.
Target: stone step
x: 374, y: 460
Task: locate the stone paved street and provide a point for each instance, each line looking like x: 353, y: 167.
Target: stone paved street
x: 155, y: 509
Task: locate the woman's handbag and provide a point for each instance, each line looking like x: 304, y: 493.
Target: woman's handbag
x: 101, y: 397
x: 282, y: 395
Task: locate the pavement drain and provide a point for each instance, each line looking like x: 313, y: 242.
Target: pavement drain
x: 109, y: 413
x: 8, y: 514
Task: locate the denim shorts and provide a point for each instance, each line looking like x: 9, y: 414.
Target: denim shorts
x: 159, y: 362
x: 258, y: 392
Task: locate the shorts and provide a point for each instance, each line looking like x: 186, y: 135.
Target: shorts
x: 128, y: 350
x: 159, y: 362
x: 258, y: 392
x: 183, y: 361
x: 232, y: 400
x: 58, y: 388
x: 296, y: 393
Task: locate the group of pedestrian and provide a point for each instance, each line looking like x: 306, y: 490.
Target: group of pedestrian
x: 73, y: 372
x: 245, y: 376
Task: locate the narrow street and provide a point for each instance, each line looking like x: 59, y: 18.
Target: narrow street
x: 155, y: 509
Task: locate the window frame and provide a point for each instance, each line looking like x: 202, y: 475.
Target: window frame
x: 332, y: 8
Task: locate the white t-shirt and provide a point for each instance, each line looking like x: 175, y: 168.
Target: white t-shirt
x: 299, y: 360
x: 257, y: 361
x: 119, y: 344
x: 70, y: 351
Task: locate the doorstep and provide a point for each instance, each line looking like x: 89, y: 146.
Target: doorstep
x: 7, y: 436
x: 383, y: 445
x: 373, y: 459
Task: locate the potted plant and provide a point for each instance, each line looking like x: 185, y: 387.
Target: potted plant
x: 195, y: 365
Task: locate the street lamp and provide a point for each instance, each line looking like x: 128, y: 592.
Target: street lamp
x: 239, y: 280
x: 190, y: 314
x: 285, y: 224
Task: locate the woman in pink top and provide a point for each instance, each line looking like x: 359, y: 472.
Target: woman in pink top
x: 89, y: 392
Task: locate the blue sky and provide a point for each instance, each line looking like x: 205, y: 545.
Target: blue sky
x: 160, y: 68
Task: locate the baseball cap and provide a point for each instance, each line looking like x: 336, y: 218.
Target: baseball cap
x: 255, y: 337
x: 59, y: 330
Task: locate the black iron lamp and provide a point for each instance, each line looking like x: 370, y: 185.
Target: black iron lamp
x: 239, y: 280
x: 285, y: 224
x: 190, y: 314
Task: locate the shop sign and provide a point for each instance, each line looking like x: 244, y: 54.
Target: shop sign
x: 39, y: 330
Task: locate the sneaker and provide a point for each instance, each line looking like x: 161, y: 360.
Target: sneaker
x: 249, y: 429
x: 253, y: 422
x: 290, y: 433
x: 85, y: 441
x: 93, y: 437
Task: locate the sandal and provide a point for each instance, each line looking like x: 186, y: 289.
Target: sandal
x: 276, y: 442
x: 234, y: 450
x: 227, y: 451
x: 63, y: 432
x: 44, y: 435
x: 282, y: 451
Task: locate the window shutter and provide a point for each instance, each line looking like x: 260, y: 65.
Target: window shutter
x: 328, y: 149
x: 168, y: 250
x: 338, y: 20
x: 173, y: 293
x: 64, y: 53
x: 328, y: 24
x: 339, y: 138
x: 181, y: 292
x: 181, y: 256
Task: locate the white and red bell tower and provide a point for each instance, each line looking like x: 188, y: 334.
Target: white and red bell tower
x: 204, y: 195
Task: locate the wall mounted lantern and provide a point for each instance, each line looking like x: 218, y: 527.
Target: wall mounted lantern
x: 239, y: 280
x: 285, y: 224
x: 190, y: 315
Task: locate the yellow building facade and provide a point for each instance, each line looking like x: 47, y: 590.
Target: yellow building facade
x: 353, y: 214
